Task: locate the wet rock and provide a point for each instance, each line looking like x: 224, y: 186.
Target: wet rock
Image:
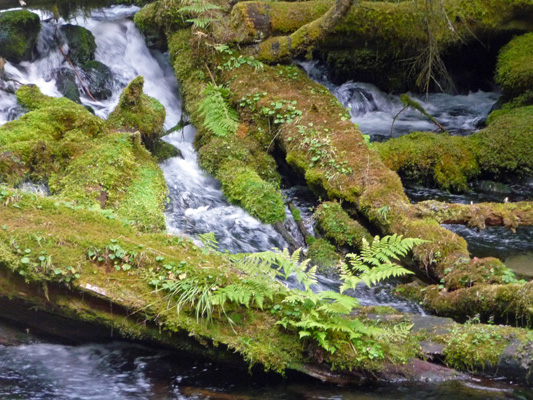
x: 81, y: 43
x: 66, y: 84
x: 99, y: 78
x: 18, y: 35
x: 163, y: 151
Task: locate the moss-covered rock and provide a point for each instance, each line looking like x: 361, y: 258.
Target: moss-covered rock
x: 138, y: 112
x: 81, y: 43
x: 157, y: 18
x: 64, y: 145
x: 66, y: 84
x: 502, y: 150
x: 18, y: 35
x: 505, y: 147
x: 514, y: 72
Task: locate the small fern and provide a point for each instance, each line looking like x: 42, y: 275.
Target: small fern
x: 200, y: 11
x: 376, y: 263
x: 219, y: 117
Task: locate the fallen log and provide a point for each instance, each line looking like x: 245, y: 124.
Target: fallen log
x: 510, y: 215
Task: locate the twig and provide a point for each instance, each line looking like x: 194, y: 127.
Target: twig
x: 85, y: 87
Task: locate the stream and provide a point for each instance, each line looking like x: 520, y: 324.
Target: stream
x: 40, y: 370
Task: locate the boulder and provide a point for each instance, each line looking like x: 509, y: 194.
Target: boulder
x: 99, y: 78
x: 81, y: 43
x: 18, y: 35
x: 66, y: 84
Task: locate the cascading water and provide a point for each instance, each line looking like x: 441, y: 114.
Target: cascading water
x: 374, y: 110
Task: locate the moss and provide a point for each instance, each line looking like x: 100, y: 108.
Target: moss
x: 163, y: 151
x: 18, y: 35
x: 62, y: 144
x: 81, y: 43
x: 217, y: 150
x: 337, y: 225
x: 476, y: 347
x: 323, y: 254
x: 243, y: 186
x: 431, y: 159
x: 514, y: 71
x: 31, y: 98
x: 138, y: 112
x: 505, y: 147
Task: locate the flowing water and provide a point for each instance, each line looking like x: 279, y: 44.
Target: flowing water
x: 374, y: 111
x: 123, y: 371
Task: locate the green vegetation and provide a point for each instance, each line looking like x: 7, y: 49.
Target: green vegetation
x: 335, y: 224
x: 138, y: 112
x: 18, y: 35
x: 81, y: 43
x: 514, y: 71
x: 502, y: 150
x: 220, y: 118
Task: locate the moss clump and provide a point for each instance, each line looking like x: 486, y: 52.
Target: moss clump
x: 81, y: 43
x: 505, y: 147
x: 431, y: 159
x: 138, y: 112
x: 163, y: 151
x: 323, y: 254
x: 337, y: 225
x: 243, y: 186
x: 217, y: 150
x: 475, y: 347
x: 31, y: 98
x: 18, y: 35
x: 514, y: 71
x: 64, y: 145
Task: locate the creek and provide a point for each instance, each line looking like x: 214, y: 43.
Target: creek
x: 197, y: 205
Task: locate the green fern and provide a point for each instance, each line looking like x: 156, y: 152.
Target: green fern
x: 376, y: 263
x: 219, y: 117
x: 200, y: 11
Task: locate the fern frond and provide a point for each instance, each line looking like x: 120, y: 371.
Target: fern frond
x: 219, y: 117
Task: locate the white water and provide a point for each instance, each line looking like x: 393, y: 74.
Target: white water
x: 373, y: 110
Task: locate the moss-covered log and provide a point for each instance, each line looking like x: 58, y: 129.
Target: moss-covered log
x: 510, y: 215
x: 504, y: 303
x: 287, y: 47
x: 400, y: 24
x: 73, y: 290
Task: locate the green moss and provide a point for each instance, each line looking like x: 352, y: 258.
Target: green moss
x: 337, y: 225
x: 514, y: 71
x: 31, y: 98
x: 163, y: 151
x: 243, y: 186
x: 505, y: 147
x: 217, y: 151
x: 323, y: 254
x: 475, y: 347
x: 138, y: 112
x: 18, y: 34
x: 429, y: 158
x: 81, y: 43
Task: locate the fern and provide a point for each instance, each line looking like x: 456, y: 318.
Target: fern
x: 376, y: 263
x: 201, y: 12
x: 219, y: 117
